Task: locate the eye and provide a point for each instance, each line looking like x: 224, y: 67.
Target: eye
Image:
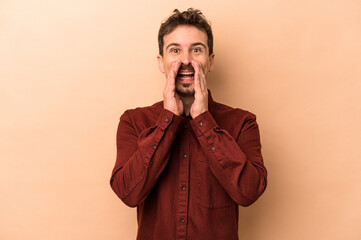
x: 174, y: 50
x: 197, y: 50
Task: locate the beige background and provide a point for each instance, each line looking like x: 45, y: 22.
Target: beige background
x: 68, y: 69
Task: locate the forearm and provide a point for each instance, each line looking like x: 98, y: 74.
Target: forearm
x: 237, y: 165
x: 141, y: 159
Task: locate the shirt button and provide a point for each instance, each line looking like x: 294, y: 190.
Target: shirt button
x: 181, y: 220
x: 213, y: 148
x: 154, y: 146
x: 185, y: 126
x: 167, y: 120
x: 184, y: 155
x: 183, y: 187
x: 200, y: 124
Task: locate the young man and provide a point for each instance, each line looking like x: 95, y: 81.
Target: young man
x: 187, y: 162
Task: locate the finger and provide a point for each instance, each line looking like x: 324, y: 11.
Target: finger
x: 172, y: 75
x: 196, y: 76
x: 202, y: 78
x: 199, y: 75
x: 172, y: 71
x: 175, y: 68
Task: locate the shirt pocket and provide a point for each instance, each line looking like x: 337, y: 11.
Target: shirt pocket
x: 210, y: 194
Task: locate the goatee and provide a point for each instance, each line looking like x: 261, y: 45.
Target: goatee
x: 186, y: 92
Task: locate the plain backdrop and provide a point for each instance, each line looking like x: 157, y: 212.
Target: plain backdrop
x: 69, y: 69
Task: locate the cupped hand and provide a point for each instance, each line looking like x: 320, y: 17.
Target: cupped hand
x: 200, y: 104
x: 172, y: 102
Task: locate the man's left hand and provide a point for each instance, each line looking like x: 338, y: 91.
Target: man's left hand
x: 200, y: 104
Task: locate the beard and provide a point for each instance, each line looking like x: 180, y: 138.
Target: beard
x: 185, y: 91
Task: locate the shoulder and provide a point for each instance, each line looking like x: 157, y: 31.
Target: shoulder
x: 142, y: 117
x: 234, y: 120
x: 147, y: 110
x: 227, y: 113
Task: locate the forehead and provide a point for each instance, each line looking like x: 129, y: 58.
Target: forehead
x: 185, y: 35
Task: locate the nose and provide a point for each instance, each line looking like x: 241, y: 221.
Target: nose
x: 186, y: 58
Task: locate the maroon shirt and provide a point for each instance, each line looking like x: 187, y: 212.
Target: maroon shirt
x: 187, y: 176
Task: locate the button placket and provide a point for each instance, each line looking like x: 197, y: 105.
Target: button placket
x: 182, y: 206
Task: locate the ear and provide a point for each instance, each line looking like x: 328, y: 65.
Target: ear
x: 211, y: 62
x: 160, y: 63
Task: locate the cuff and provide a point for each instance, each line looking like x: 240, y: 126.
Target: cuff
x: 167, y: 117
x: 203, y: 123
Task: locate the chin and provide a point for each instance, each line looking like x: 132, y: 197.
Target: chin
x: 185, y: 92
x: 185, y: 89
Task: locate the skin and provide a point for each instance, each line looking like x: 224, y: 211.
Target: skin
x: 186, y: 48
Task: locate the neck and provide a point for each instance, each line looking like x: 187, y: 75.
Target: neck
x: 187, y: 104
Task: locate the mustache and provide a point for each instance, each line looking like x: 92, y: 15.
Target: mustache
x: 186, y: 67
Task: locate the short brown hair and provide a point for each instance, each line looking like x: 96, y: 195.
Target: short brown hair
x: 192, y: 17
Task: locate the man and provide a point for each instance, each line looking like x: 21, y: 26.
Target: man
x: 187, y: 162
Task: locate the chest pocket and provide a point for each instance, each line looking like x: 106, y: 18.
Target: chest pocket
x: 210, y: 194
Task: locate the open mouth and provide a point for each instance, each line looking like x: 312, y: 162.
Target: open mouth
x: 185, y: 75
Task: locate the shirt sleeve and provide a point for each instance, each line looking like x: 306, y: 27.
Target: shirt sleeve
x: 236, y: 163
x: 142, y: 157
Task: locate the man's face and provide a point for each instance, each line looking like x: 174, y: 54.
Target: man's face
x: 184, y: 44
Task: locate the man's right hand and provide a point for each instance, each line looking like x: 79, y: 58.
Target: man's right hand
x: 172, y: 102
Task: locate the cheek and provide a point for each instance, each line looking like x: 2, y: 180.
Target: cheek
x: 203, y: 60
x: 171, y: 58
x: 168, y: 63
x: 205, y: 65
x: 167, y: 67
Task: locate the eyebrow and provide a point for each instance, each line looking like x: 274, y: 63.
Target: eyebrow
x: 199, y: 43
x: 193, y: 44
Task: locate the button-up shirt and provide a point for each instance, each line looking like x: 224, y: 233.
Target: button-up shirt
x: 187, y: 176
